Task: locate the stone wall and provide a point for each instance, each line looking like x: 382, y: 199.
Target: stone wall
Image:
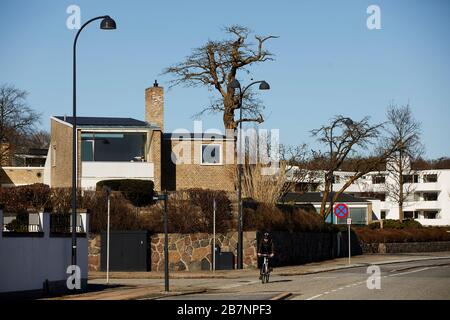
x: 187, y: 252
x: 406, y: 247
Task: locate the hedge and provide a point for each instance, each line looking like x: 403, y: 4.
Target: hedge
x: 139, y: 192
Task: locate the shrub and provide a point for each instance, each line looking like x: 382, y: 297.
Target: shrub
x: 282, y: 218
x: 367, y: 235
x: 122, y: 213
x: 138, y: 192
x: 19, y: 224
x: 190, y: 211
x: 396, y: 224
x: 22, y: 198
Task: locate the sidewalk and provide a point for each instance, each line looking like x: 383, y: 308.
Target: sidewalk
x: 316, y: 267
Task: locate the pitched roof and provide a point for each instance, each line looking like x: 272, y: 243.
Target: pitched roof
x: 105, y: 121
x: 315, y: 197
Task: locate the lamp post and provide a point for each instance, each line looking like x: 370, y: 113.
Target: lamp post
x: 164, y: 197
x: 107, y: 23
x: 235, y: 84
x: 348, y: 122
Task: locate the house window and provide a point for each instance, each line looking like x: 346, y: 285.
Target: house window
x: 410, y: 178
x: 430, y: 214
x: 430, y: 196
x: 211, y: 154
x: 411, y: 214
x: 118, y: 146
x: 383, y: 214
x: 430, y: 178
x: 378, y: 179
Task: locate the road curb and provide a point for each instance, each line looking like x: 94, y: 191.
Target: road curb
x: 282, y: 296
x: 175, y: 294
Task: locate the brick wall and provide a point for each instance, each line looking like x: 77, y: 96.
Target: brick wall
x: 193, y: 174
x: 61, y: 155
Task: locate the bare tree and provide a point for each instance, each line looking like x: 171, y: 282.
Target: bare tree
x: 39, y: 139
x: 347, y: 139
x: 216, y: 64
x: 404, y: 132
x: 17, y: 120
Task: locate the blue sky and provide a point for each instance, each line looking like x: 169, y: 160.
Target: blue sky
x: 327, y: 61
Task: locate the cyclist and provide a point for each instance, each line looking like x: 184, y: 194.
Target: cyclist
x: 265, y: 246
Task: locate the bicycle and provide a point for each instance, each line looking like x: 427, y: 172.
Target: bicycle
x: 265, y: 271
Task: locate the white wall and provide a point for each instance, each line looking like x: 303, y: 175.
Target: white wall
x: 95, y: 171
x: 26, y: 262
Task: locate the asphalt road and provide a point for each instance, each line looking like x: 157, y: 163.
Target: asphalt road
x: 424, y: 280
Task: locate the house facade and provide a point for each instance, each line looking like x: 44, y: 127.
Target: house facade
x: 126, y: 148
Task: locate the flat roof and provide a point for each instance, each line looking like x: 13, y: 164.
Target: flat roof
x: 105, y: 122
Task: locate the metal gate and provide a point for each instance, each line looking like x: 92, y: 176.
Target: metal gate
x: 128, y: 251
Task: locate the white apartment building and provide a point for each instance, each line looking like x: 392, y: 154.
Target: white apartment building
x: 428, y: 198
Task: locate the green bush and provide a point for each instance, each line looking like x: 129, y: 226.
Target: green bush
x: 139, y: 192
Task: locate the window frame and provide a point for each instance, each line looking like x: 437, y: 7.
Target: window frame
x: 220, y: 154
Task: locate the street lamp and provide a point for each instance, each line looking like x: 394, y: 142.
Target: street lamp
x: 164, y: 197
x: 235, y: 84
x: 348, y: 122
x: 107, y: 23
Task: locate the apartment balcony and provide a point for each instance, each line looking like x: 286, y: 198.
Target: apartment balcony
x: 431, y: 186
x: 423, y: 205
x: 94, y: 171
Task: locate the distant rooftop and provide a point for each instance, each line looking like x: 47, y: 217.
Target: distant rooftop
x: 105, y: 121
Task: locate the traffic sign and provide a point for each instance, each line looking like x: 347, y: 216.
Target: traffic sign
x: 341, y: 210
x: 349, y: 221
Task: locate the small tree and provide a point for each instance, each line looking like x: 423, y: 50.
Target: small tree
x: 216, y: 64
x: 404, y: 137
x: 347, y: 139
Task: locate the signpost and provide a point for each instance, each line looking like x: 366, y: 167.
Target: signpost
x: 349, y: 223
x: 341, y: 211
x: 108, y: 195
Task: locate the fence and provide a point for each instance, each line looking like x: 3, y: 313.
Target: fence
x: 37, y: 259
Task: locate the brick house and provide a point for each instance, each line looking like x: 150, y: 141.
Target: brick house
x: 126, y: 148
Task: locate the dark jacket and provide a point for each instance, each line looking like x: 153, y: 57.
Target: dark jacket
x: 265, y: 247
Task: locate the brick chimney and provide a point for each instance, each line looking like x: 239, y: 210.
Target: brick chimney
x: 154, y: 105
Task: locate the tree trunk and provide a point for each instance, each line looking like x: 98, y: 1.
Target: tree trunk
x: 228, y: 114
